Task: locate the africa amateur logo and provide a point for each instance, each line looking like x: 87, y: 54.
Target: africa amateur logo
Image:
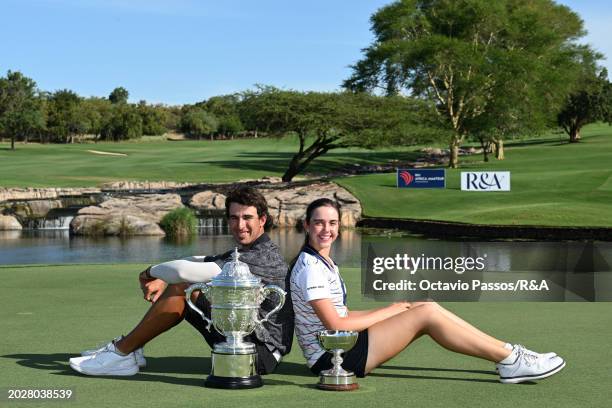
x: 421, y: 178
x: 406, y: 177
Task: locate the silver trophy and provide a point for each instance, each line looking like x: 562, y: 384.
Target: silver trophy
x: 235, y: 296
x: 337, y: 378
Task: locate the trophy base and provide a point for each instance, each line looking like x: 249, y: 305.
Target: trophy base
x: 338, y: 383
x: 234, y: 371
x: 239, y: 383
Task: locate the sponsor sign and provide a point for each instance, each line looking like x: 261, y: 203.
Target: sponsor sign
x: 421, y: 178
x: 485, y: 180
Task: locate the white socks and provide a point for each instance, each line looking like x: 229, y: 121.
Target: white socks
x: 512, y: 357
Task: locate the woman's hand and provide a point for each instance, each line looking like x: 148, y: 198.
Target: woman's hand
x: 399, y: 307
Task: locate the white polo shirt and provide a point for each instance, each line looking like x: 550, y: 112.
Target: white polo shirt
x: 312, y: 279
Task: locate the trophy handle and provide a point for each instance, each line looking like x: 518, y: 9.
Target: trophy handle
x: 204, y: 288
x: 281, y: 294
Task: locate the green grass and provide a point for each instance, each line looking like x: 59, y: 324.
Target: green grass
x: 50, y: 313
x: 553, y: 183
x: 36, y: 165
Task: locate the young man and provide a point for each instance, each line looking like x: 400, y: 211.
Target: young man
x: 164, y: 286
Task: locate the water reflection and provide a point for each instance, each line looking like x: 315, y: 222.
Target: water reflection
x: 58, y: 247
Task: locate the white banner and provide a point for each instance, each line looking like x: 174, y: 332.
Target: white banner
x: 485, y: 180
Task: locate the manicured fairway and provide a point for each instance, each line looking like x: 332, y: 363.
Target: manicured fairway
x: 552, y: 184
x: 50, y: 313
x: 36, y: 165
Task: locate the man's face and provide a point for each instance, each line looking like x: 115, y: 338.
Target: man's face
x: 246, y: 226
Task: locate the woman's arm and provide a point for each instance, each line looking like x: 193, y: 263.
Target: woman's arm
x: 356, y: 320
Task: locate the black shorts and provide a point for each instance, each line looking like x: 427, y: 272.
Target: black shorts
x: 266, y: 362
x: 354, y: 360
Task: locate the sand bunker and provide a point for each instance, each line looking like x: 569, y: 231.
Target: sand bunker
x: 106, y: 153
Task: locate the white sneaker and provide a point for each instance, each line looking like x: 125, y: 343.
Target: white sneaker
x: 105, y: 362
x: 543, y: 355
x: 138, y: 353
x: 528, y: 367
x: 526, y: 350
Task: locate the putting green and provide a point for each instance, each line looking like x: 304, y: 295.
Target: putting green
x: 50, y: 313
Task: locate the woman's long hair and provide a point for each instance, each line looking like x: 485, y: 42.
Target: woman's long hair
x: 320, y: 202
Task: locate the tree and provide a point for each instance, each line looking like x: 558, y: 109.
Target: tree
x: 153, y: 117
x: 20, y: 110
x: 96, y: 113
x: 225, y: 109
x: 66, y: 118
x: 465, y: 56
x: 119, y: 95
x: 326, y: 121
x: 124, y: 123
x: 591, y: 102
x: 196, y: 122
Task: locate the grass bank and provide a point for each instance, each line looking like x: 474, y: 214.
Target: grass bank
x: 553, y: 183
x: 50, y: 313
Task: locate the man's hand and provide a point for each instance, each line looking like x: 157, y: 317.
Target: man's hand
x: 153, y: 289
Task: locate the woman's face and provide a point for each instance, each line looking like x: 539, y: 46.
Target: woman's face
x: 323, y: 227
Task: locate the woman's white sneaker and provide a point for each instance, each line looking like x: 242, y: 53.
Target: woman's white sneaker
x: 105, y: 362
x: 528, y: 367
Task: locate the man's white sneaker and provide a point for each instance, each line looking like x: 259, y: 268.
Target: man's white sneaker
x: 105, y: 362
x: 138, y: 353
x: 528, y: 367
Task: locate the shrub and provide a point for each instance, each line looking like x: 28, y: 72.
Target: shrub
x: 180, y: 222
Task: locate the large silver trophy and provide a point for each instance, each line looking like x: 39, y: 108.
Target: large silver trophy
x: 235, y: 296
x: 337, y: 378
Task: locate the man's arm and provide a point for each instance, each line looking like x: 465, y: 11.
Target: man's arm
x: 185, y: 271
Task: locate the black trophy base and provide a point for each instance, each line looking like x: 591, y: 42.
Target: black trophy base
x: 233, y: 383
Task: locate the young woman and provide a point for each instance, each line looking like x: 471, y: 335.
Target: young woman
x: 319, y: 302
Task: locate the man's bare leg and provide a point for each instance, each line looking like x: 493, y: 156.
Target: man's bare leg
x: 164, y: 314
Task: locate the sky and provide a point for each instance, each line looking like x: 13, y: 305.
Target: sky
x: 185, y: 51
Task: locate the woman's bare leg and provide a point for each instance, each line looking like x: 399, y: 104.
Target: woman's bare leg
x: 462, y: 323
x: 391, y: 336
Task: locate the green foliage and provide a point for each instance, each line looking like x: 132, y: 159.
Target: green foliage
x: 21, y: 110
x: 119, y: 95
x: 591, y: 102
x: 179, y: 222
x: 196, y: 122
x: 326, y: 121
x: 96, y: 113
x: 65, y: 116
x: 153, y: 117
x: 225, y: 109
x: 486, y: 65
x: 124, y: 123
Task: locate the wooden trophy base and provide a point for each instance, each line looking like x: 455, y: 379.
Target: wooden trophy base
x: 338, y: 387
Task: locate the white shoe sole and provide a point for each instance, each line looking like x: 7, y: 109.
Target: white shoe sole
x: 516, y: 380
x: 120, y: 372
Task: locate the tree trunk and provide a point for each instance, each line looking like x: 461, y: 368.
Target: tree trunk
x: 12, y: 142
x: 485, y: 149
x: 291, y: 172
x: 499, y: 149
x: 574, y: 134
x: 453, y: 159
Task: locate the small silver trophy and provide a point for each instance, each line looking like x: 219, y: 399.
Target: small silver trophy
x: 337, y: 378
x: 235, y: 296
